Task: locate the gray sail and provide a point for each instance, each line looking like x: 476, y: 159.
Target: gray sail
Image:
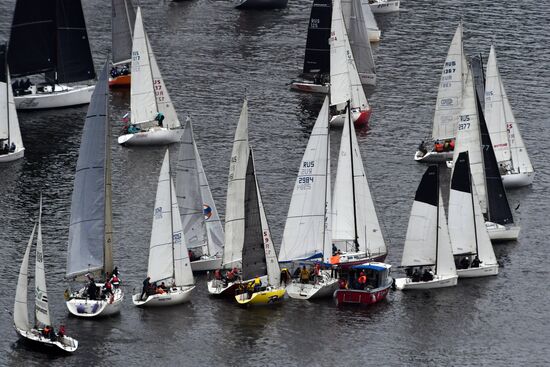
x: 88, y: 204
x: 253, y: 262
x: 122, y: 27
x: 188, y: 192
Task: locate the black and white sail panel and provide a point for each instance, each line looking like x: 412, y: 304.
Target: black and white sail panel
x: 317, y: 56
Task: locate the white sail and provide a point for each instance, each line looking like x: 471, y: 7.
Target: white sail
x: 359, y: 40
x: 485, y: 249
x: 305, y: 234
x: 367, y: 228
x: 506, y: 138
x: 273, y: 270
x: 449, y: 94
x: 41, y: 309
x: 143, y: 102
x: 445, y: 260
x: 461, y: 222
x: 214, y: 228
x: 168, y: 256
x: 9, y: 123
x: 164, y: 103
x: 188, y: 192
x: 20, y: 308
x: 234, y: 212
x: 345, y: 83
x: 468, y: 138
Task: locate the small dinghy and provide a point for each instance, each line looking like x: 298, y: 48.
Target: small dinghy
x: 123, y: 20
x: 90, y: 248
x: 41, y: 334
x: 153, y: 119
x: 169, y: 269
x: 366, y: 284
x: 427, y: 253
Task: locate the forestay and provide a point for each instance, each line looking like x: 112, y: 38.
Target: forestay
x: 354, y: 197
x: 234, y: 212
x: 89, y: 247
x: 308, y: 224
x: 449, y: 95
x: 122, y: 27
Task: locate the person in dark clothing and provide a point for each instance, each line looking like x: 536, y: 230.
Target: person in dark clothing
x: 465, y: 263
x: 12, y: 147
x: 334, y: 249
x: 115, y: 271
x: 476, y: 262
x: 146, y: 286
x: 427, y: 276
x: 415, y: 276
x: 92, y: 289
x: 160, y: 118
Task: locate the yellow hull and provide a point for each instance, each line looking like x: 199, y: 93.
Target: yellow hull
x: 266, y: 297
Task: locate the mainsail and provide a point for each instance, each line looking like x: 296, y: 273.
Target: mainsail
x: 89, y: 248
x: 122, y: 27
x: 20, y: 307
x: 41, y: 309
x: 9, y: 123
x: 317, y: 55
x: 50, y: 36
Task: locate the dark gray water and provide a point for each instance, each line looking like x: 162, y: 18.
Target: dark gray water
x: 211, y: 55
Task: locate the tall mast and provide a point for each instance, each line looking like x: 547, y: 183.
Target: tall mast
x: 108, y: 235
x: 171, y: 217
x: 437, y: 221
x: 352, y: 181
x: 327, y: 180
x: 472, y: 188
x: 5, y: 61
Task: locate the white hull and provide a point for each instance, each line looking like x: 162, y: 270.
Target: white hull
x: 10, y: 157
x: 216, y: 287
x: 439, y: 281
x: 65, y: 344
x: 310, y: 87
x: 175, y: 296
x: 84, y: 307
x: 64, y: 96
x: 515, y: 180
x: 211, y: 263
x: 384, y: 6
x: 325, y: 288
x: 482, y: 271
x: 433, y: 157
x: 374, y: 35
x: 154, y: 136
x: 498, y: 232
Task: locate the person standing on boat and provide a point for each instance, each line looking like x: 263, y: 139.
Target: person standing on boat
x: 476, y: 262
x: 160, y: 118
x: 146, y: 286
x: 362, y: 280
x: 304, y: 275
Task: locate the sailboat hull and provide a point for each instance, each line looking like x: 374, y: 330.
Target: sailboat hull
x: 360, y: 118
x: 64, y: 344
x: 482, y: 271
x: 63, y: 96
x: 121, y: 81
x: 309, y: 87
x: 515, y: 180
x: 349, y: 259
x: 433, y: 156
x: 217, y: 288
x: 362, y: 296
x: 210, y: 263
x: 10, y: 157
x: 175, y: 296
x: 498, y: 232
x: 262, y: 4
x: 324, y: 288
x: 374, y: 35
x: 384, y: 6
x: 439, y: 281
x: 87, y: 308
x: 154, y: 136
x: 268, y: 297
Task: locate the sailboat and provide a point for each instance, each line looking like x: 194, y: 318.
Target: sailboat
x: 234, y: 208
x: 154, y: 120
x: 510, y: 151
x: 11, y: 144
x: 316, y: 68
x: 261, y: 4
x: 35, y: 334
x: 123, y: 19
x: 307, y: 234
x: 356, y: 232
x: 345, y: 83
x: 359, y: 41
x: 259, y: 260
x: 427, y: 243
x: 202, y: 227
x: 374, y: 31
x: 90, y: 248
x: 472, y: 134
x: 384, y: 6
x: 467, y: 229
x: 439, y: 147
x: 49, y: 37
x: 168, y: 257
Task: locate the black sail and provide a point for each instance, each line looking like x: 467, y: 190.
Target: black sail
x: 497, y: 202
x: 317, y: 56
x: 3, y: 65
x: 460, y: 181
x: 33, y: 38
x: 122, y: 29
x: 75, y: 61
x: 479, y: 78
x: 253, y: 262
x: 428, y: 189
